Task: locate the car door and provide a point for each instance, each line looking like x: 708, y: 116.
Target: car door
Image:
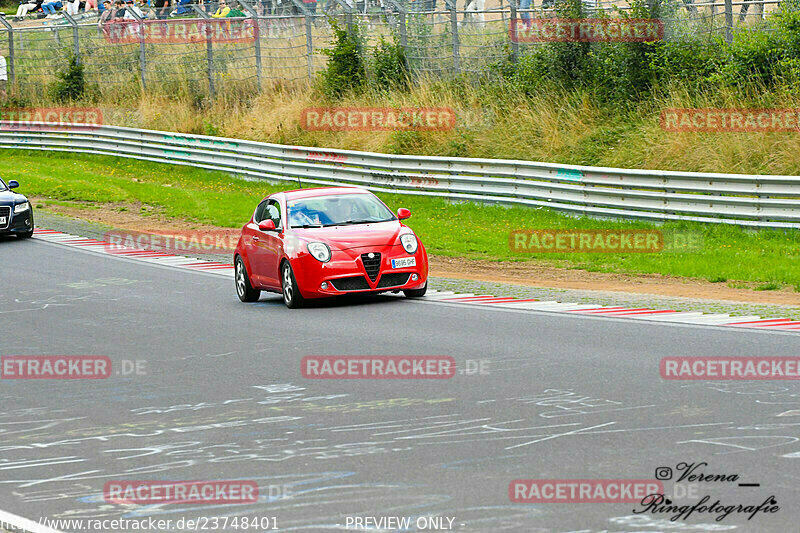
x: 252, y: 241
x: 267, y: 247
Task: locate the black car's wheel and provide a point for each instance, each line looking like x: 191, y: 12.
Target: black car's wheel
x: 416, y: 293
x: 244, y: 290
x: 291, y: 292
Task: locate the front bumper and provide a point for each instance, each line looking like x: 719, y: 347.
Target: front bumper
x: 21, y: 223
x: 345, y: 273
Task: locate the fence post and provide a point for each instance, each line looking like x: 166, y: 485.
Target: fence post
x: 451, y: 5
x: 75, y: 41
x: 257, y: 35
x: 309, y: 42
x: 403, y: 33
x: 348, y: 10
x: 728, y: 21
x: 10, y: 61
x: 209, y: 50
x: 513, y: 28
x: 142, y: 58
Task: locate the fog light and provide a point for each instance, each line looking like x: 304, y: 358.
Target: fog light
x: 414, y: 277
x: 323, y: 286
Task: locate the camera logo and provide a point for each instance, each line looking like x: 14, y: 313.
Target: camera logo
x: 663, y: 473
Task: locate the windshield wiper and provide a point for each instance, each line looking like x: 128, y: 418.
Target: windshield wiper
x: 353, y: 222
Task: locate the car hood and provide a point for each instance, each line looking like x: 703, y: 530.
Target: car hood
x: 356, y: 236
x: 10, y: 197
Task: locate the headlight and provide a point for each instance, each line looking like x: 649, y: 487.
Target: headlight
x: 21, y: 208
x: 320, y: 251
x: 409, y: 241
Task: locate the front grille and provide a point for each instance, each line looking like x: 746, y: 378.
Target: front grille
x: 5, y: 211
x: 356, y: 283
x: 372, y: 266
x: 393, y: 280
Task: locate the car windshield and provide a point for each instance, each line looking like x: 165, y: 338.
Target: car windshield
x: 337, y: 210
x: 2, y: 185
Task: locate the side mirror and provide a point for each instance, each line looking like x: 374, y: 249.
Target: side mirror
x: 403, y: 213
x: 266, y: 225
x: 13, y: 184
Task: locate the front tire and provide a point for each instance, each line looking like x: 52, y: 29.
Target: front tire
x: 244, y: 289
x: 416, y: 293
x: 291, y: 292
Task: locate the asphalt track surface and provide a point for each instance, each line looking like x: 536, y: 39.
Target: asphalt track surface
x: 222, y: 398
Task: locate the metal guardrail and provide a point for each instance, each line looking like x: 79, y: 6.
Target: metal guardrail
x: 754, y: 201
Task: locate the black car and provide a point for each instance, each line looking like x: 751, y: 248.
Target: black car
x: 16, y: 212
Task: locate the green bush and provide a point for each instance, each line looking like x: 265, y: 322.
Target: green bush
x: 390, y: 69
x: 345, y: 71
x: 70, y: 84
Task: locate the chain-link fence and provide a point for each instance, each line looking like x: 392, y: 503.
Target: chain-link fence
x: 203, y: 48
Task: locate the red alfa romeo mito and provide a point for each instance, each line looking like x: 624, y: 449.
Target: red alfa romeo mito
x: 315, y: 243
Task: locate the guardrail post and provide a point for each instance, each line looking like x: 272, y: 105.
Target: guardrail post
x: 209, y: 51
x: 142, y: 58
x: 728, y: 21
x: 75, y: 42
x: 403, y: 30
x: 309, y: 42
x: 512, y: 31
x: 451, y: 5
x: 257, y: 36
x: 10, y: 61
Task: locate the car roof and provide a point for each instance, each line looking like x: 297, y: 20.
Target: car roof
x: 322, y: 191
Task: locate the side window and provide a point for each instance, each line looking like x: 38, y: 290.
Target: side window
x: 259, y: 216
x: 273, y: 212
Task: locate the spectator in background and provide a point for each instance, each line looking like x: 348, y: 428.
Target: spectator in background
x: 49, y: 9
x: 222, y: 10
x: 91, y: 5
x: 311, y: 6
x: 181, y: 8
x: 162, y: 8
x: 106, y: 14
x: 131, y: 10
x: 474, y: 12
x: 3, y: 79
x: 118, y: 11
x: 25, y: 6
x: 72, y: 7
x: 525, y: 15
x: 236, y: 12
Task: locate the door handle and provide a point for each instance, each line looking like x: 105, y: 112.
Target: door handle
x: 255, y: 239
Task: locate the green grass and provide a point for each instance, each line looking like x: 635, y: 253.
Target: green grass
x: 768, y: 258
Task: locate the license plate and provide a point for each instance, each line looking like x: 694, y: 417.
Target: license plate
x: 2, y: 221
x: 404, y: 262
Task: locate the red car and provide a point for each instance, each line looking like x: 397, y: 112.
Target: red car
x: 316, y: 243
